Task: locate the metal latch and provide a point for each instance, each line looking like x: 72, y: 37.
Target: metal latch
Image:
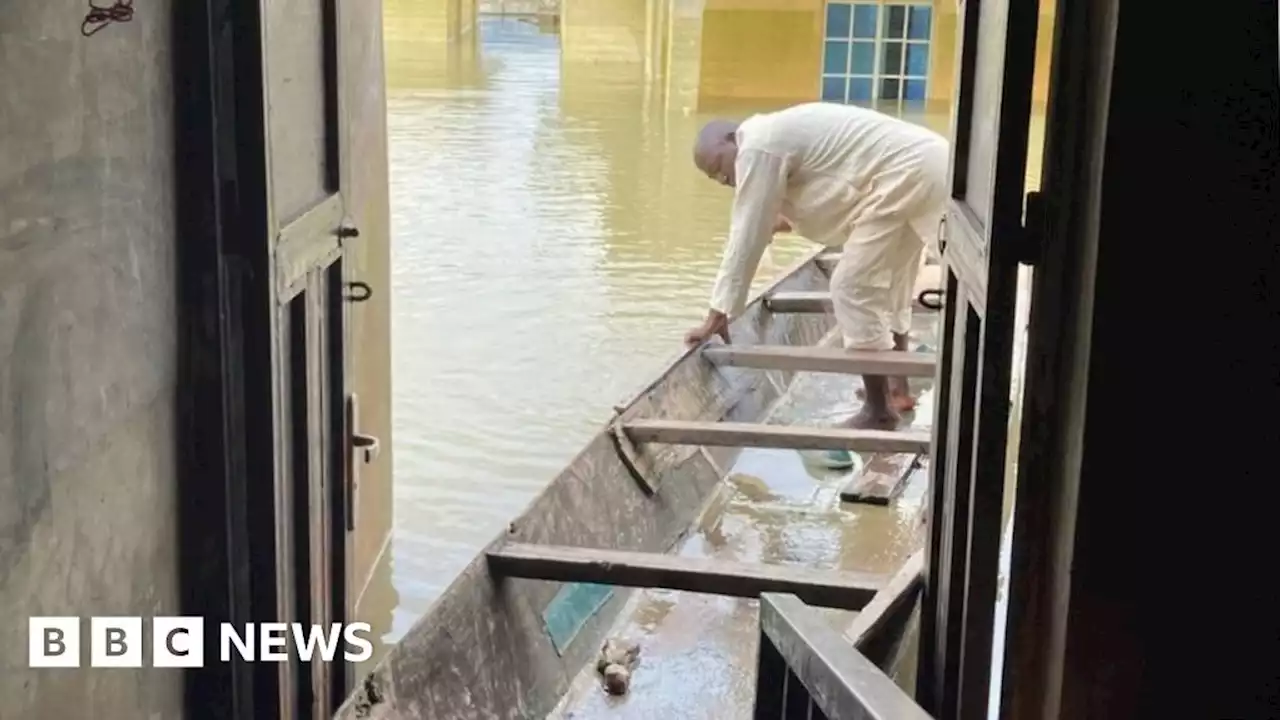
x: 368, y: 444
x: 358, y: 291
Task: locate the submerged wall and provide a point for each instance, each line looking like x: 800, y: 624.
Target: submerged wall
x: 87, y: 346
x: 761, y: 51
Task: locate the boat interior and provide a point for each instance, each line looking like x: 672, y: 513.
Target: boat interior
x: 702, y: 509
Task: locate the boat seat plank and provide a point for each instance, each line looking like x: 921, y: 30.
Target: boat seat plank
x: 881, y: 479
x: 887, y: 613
x: 735, y: 434
x: 826, y: 588
x: 806, y: 301
x: 827, y: 260
x: 823, y: 359
x: 818, y: 301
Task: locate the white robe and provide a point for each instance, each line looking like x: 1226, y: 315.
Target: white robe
x: 842, y: 175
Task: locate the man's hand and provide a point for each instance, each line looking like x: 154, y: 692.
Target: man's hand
x: 717, y: 323
x: 781, y: 225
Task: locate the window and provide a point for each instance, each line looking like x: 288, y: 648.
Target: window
x: 875, y: 51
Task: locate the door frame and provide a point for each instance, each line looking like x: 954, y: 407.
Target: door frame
x: 980, y: 256
x: 1074, y: 139
x: 220, y: 221
x: 228, y: 507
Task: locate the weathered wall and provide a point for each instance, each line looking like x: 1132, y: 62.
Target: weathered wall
x: 87, y: 346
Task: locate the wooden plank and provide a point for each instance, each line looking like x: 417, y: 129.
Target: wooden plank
x: 826, y: 261
x: 637, y: 464
x: 881, y: 479
x: 733, y: 434
x: 818, y: 359
x: 841, y: 681
x: 825, y: 588
x: 815, y: 301
x: 930, y: 275
x: 888, y: 611
x: 804, y: 301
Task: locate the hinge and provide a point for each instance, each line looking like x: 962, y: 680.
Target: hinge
x: 1032, y: 240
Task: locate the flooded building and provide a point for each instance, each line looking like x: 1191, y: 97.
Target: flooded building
x: 195, y: 331
x: 194, y: 338
x: 892, y: 55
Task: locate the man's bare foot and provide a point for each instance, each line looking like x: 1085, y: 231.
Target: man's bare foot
x: 900, y: 398
x: 865, y: 419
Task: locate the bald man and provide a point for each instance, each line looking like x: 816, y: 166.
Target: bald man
x: 840, y: 176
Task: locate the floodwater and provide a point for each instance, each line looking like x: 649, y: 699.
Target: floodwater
x: 551, y: 244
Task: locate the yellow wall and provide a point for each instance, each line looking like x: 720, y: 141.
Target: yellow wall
x: 1044, y: 52
x: 760, y: 51
x: 945, y: 44
x: 771, y: 51
x: 431, y: 43
x: 604, y: 30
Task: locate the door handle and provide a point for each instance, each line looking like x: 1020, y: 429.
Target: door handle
x: 360, y: 444
x: 366, y: 444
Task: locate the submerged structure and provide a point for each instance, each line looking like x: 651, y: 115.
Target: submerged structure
x: 194, y: 404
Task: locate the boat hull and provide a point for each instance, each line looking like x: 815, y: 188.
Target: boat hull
x: 492, y: 647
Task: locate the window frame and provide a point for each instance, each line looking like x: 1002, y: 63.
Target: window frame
x: 878, y: 73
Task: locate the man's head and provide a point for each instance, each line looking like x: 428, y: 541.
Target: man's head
x: 716, y: 151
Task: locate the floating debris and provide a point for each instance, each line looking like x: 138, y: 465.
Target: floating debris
x: 617, y: 659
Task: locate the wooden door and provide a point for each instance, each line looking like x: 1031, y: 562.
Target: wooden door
x: 307, y: 223
x: 982, y: 240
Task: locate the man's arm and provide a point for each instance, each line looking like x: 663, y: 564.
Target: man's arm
x: 757, y: 199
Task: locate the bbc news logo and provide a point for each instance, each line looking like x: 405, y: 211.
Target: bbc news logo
x: 178, y: 642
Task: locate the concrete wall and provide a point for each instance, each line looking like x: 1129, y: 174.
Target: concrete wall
x: 87, y: 346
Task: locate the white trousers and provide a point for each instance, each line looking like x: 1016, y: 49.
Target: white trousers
x: 873, y: 284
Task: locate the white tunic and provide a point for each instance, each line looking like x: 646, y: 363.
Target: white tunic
x: 826, y: 168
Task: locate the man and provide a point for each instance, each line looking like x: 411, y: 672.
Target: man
x: 838, y: 175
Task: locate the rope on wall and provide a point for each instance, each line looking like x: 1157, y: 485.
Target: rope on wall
x: 100, y: 16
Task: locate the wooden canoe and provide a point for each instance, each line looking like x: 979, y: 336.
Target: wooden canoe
x: 513, y: 633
